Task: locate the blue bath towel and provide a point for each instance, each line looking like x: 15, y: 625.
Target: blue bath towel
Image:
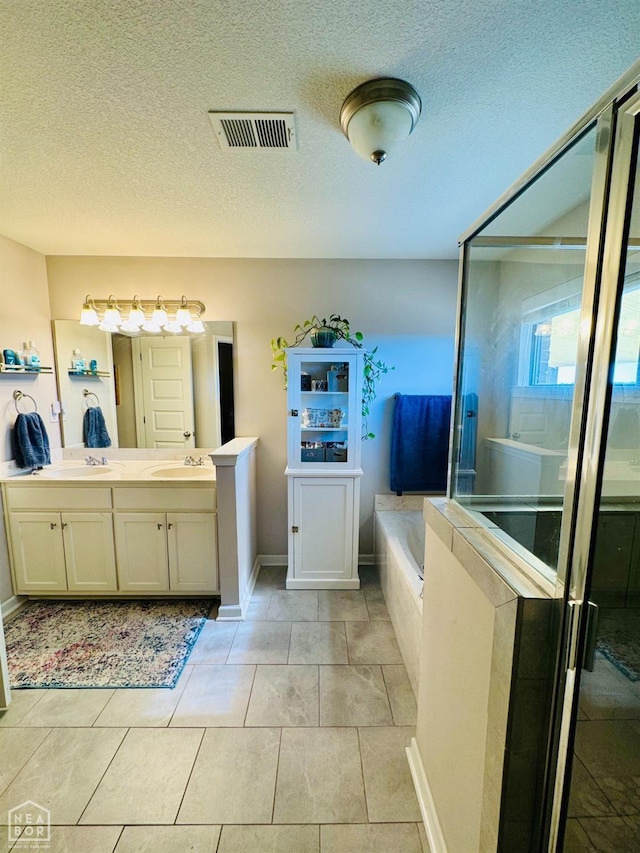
x: 31, y: 442
x: 95, y: 429
x: 420, y: 443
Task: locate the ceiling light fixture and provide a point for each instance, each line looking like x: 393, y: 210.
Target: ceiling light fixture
x: 157, y: 315
x: 378, y: 114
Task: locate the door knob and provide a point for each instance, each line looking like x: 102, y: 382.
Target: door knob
x: 187, y: 434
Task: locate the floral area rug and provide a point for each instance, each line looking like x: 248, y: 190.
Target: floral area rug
x: 619, y: 639
x: 102, y: 643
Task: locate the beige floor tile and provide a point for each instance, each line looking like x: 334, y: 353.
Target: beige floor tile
x: 258, y: 609
x: 284, y: 696
x: 318, y: 642
x: 214, y: 642
x: 22, y: 701
x: 63, y: 772
x: 353, y: 696
x: 261, y: 642
x: 271, y: 577
x: 319, y: 777
x: 613, y: 834
x: 610, y: 751
x: 215, y: 696
x: 234, y: 777
x: 372, y: 642
x: 73, y: 839
x: 169, y: 839
x: 146, y: 779
x: 586, y: 799
x: 377, y: 609
x: 16, y: 748
x: 342, y: 605
x: 269, y: 839
x: 576, y: 839
x: 401, y: 696
x: 296, y: 605
x: 67, y: 708
x: 372, y: 838
x: 143, y: 707
x: 387, y: 778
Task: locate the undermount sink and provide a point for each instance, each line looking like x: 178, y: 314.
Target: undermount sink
x: 181, y: 472
x: 79, y: 471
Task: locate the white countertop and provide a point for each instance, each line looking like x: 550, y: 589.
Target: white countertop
x: 120, y: 471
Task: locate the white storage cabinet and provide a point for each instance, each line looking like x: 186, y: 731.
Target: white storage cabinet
x: 324, y: 401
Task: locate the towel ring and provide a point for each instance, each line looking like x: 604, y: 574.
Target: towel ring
x: 86, y: 393
x: 20, y: 395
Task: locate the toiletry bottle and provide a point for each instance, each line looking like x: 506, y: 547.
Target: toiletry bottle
x: 31, y: 356
x: 77, y: 362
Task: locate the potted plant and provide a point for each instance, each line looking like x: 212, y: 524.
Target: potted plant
x: 324, y: 333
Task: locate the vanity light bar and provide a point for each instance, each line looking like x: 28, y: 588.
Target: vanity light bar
x: 147, y: 315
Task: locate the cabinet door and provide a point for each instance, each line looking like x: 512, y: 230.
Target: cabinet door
x: 89, y: 552
x: 38, y: 552
x: 323, y: 512
x: 141, y: 551
x: 193, y: 552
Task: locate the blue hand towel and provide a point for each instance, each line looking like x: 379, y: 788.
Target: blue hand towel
x: 420, y: 443
x: 95, y: 429
x: 31, y: 442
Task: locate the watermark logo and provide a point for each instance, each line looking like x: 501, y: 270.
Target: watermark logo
x: 29, y: 826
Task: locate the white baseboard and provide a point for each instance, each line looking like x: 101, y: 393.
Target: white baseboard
x: 432, y: 827
x: 366, y: 559
x: 237, y: 612
x: 273, y: 560
x: 12, y: 604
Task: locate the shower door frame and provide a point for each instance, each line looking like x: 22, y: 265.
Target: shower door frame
x: 621, y: 133
x: 615, y: 115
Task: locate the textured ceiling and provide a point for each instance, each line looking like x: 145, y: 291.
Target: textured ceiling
x: 107, y: 147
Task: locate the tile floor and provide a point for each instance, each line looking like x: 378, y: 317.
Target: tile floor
x: 285, y: 733
x: 604, y: 808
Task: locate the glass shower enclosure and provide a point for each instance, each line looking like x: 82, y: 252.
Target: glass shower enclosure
x: 545, y: 453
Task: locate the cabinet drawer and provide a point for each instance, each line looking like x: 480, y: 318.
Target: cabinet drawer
x: 57, y: 497
x: 166, y: 499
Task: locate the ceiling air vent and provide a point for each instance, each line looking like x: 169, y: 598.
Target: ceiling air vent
x: 254, y: 130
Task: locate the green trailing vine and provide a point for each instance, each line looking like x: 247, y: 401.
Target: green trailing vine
x: 373, y: 368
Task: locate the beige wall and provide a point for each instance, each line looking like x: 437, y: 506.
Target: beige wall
x: 24, y: 315
x: 406, y: 307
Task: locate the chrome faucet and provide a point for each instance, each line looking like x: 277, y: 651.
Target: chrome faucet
x: 191, y: 461
x: 91, y: 460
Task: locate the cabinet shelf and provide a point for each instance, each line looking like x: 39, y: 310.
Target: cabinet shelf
x: 326, y: 393
x: 89, y: 373
x: 14, y: 369
x: 343, y: 428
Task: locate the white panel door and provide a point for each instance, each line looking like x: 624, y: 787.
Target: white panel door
x: 141, y: 551
x: 89, y: 551
x: 193, y: 551
x: 323, y: 513
x: 167, y: 391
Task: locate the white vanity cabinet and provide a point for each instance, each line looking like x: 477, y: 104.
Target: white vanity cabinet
x: 324, y: 401
x: 157, y: 551
x: 124, y: 540
x: 69, y: 549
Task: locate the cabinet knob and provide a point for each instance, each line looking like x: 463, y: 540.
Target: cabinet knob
x: 169, y: 525
x: 63, y: 525
x: 52, y: 525
x: 159, y: 526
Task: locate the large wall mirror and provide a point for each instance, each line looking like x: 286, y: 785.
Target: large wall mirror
x: 163, y: 391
